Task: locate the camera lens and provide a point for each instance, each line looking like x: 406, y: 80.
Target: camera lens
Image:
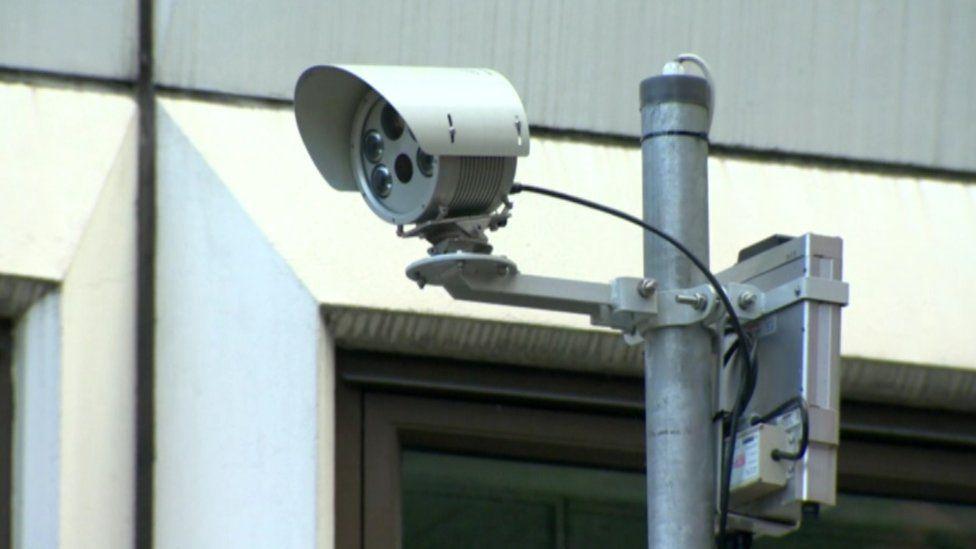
x: 392, y: 122
x: 403, y: 168
x: 373, y: 146
x: 380, y: 181
x: 425, y: 163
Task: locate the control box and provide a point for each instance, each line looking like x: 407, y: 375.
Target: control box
x: 755, y: 471
x: 798, y: 355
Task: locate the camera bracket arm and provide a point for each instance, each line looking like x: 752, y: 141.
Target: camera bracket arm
x: 632, y: 305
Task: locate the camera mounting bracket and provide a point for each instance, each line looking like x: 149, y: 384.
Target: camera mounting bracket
x: 632, y: 305
x: 449, y: 235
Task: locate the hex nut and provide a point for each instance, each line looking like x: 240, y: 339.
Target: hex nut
x: 647, y: 287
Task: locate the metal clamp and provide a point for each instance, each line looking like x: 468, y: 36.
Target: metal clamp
x: 808, y: 288
x: 635, y: 311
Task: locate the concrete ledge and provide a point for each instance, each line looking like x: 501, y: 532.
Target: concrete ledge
x: 482, y: 340
x: 597, y: 351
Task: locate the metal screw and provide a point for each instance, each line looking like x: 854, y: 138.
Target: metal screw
x: 696, y: 300
x: 747, y: 300
x: 647, y: 287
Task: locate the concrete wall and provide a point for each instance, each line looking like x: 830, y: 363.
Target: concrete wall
x: 898, y: 230
x: 877, y: 80
x: 68, y: 218
x: 244, y: 374
x: 58, y: 144
x: 98, y: 368
x: 95, y: 38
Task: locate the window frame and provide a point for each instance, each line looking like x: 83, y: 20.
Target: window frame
x: 387, y: 402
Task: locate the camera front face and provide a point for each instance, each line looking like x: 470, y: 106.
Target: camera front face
x: 404, y: 184
x: 396, y: 176
x: 421, y: 144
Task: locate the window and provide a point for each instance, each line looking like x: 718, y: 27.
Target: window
x: 434, y: 453
x: 454, y: 500
x: 866, y: 522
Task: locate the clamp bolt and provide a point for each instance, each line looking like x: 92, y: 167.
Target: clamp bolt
x: 647, y: 287
x: 747, y: 300
x: 696, y: 300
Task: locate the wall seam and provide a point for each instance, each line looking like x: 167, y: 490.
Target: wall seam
x: 145, y: 272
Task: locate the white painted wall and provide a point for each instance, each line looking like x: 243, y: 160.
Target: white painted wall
x: 243, y: 374
x: 98, y: 368
x: 898, y: 231
x: 57, y: 147
x: 67, y: 216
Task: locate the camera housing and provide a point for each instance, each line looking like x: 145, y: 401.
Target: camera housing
x: 423, y: 145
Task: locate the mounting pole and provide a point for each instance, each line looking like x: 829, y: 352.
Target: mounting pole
x: 679, y: 361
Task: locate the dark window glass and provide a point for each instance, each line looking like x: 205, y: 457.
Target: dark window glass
x: 868, y: 522
x: 459, y: 501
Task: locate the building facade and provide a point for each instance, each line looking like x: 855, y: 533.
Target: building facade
x: 203, y: 345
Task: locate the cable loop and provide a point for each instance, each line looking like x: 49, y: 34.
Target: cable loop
x: 696, y: 60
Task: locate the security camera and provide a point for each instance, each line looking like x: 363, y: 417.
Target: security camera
x: 430, y: 146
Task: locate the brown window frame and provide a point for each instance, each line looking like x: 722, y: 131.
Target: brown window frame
x: 387, y: 402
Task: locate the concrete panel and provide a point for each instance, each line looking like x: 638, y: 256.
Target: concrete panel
x: 906, y: 238
x: 37, y: 425
x: 92, y: 38
x: 68, y: 181
x: 98, y: 368
x: 876, y: 80
x: 57, y: 147
x: 242, y: 362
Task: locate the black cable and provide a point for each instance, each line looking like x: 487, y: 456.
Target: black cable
x: 716, y: 285
x: 730, y: 352
x: 798, y: 403
x: 749, y: 374
x: 746, y: 388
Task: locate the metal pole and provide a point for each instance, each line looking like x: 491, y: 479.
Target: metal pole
x: 679, y: 362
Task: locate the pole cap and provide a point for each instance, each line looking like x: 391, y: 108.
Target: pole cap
x: 675, y: 88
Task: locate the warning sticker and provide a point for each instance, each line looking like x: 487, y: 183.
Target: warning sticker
x: 745, y: 463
